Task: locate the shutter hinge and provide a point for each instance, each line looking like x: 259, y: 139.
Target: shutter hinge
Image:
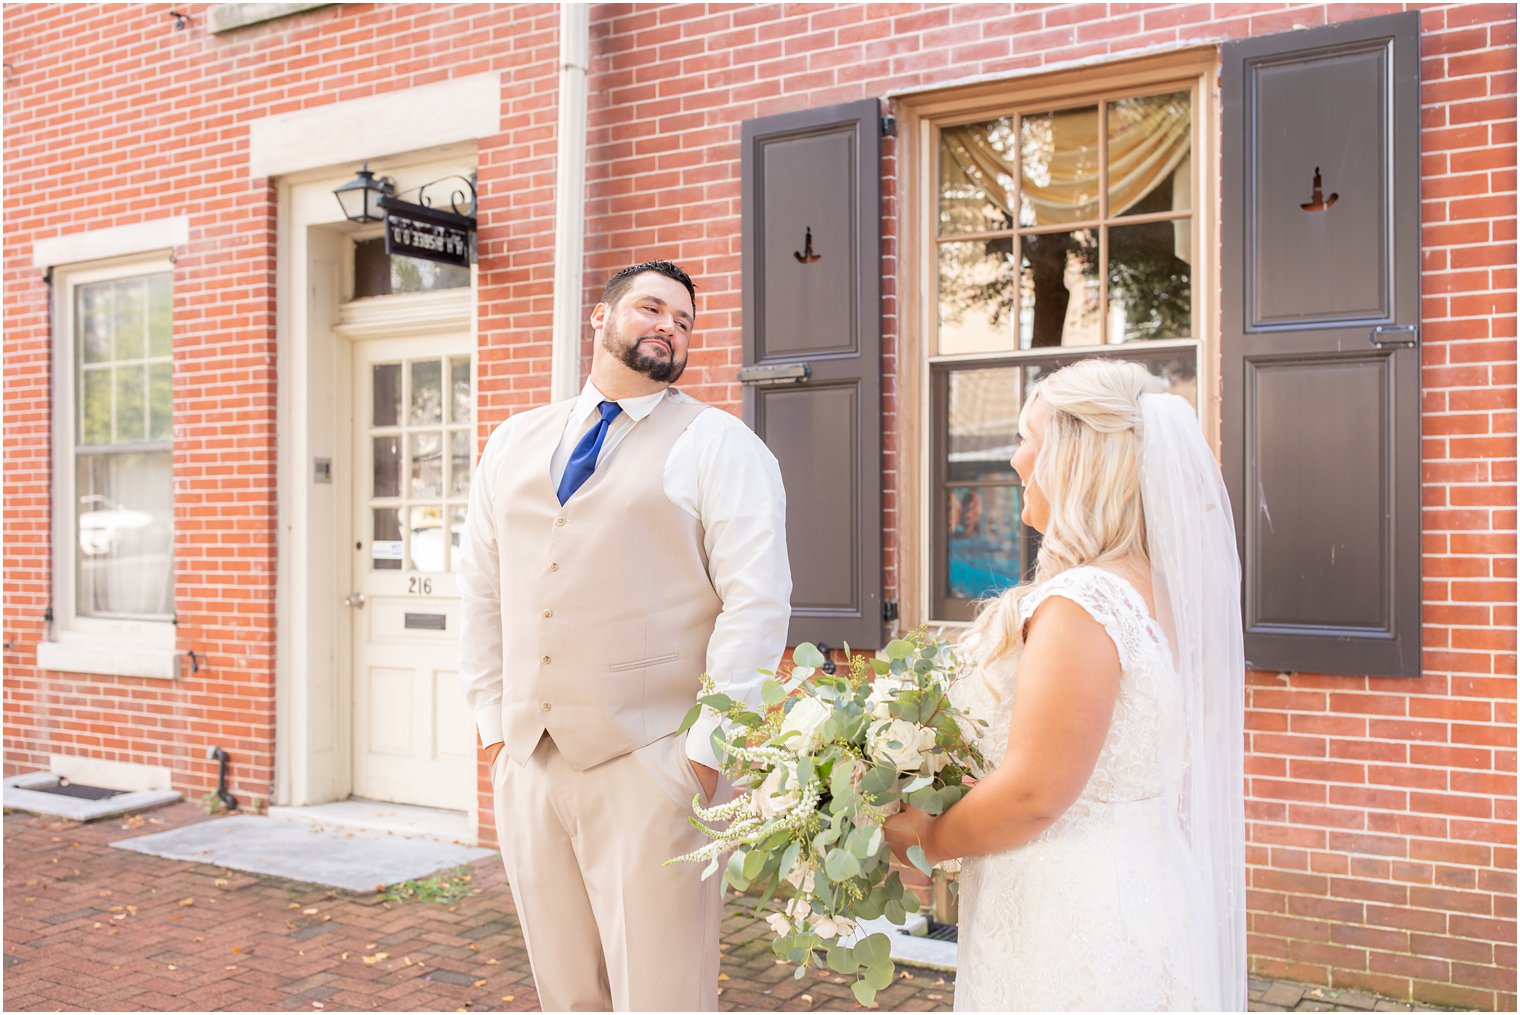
x: 889, y: 126
x: 889, y: 610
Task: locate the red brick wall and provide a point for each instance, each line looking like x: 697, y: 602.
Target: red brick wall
x: 1382, y: 840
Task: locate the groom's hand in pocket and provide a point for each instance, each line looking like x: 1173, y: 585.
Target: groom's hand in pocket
x: 707, y: 777
x: 492, y: 750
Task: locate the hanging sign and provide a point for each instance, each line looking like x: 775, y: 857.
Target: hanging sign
x: 416, y: 230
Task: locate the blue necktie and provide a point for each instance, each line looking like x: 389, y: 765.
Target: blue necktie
x: 583, y: 459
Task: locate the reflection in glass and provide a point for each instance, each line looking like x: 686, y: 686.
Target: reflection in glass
x: 377, y: 273
x: 982, y: 424
x: 387, y: 385
x: 427, y: 464
x: 386, y: 548
x: 456, y: 532
x: 427, y: 391
x: 160, y: 401
x: 160, y: 315
x: 387, y: 482
x: 459, y: 463
x: 976, y: 170
x: 93, y: 308
x: 95, y: 406
x: 459, y: 389
x: 427, y: 539
x: 126, y: 536
x: 976, y: 292
x: 131, y: 410
x: 983, y: 544
x: 1150, y: 282
x: 1059, y: 159
x: 131, y: 318
x: 1059, y: 294
x: 1149, y: 154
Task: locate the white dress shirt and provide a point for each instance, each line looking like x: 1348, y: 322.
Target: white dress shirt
x: 721, y: 474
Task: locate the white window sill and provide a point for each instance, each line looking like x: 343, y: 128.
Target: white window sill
x: 163, y: 663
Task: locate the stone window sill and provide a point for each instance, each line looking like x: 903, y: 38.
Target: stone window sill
x: 161, y: 664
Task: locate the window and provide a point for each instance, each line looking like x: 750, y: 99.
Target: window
x: 377, y: 273
x: 113, y: 469
x: 1058, y: 230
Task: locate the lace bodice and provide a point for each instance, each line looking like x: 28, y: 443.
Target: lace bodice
x: 1092, y: 913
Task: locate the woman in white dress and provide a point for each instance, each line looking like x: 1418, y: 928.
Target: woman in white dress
x: 1104, y: 849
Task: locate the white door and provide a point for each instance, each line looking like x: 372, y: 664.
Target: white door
x: 413, y: 399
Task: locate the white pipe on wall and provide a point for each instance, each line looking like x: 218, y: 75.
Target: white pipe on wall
x: 570, y: 201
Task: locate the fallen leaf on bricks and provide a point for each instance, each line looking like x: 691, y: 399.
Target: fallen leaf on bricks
x: 509, y: 997
x: 310, y: 910
x: 370, y: 960
x: 187, y: 902
x: 722, y: 976
x: 480, y: 983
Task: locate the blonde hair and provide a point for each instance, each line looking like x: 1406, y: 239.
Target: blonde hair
x: 1088, y: 469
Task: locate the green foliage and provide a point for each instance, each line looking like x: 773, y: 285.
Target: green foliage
x: 446, y: 888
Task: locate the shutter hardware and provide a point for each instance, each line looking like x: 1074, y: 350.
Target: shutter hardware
x: 1400, y: 336
x: 765, y: 375
x: 889, y: 610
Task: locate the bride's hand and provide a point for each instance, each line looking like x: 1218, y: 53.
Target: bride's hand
x: 907, y: 828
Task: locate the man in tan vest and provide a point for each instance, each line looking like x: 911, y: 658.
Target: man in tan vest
x: 618, y: 546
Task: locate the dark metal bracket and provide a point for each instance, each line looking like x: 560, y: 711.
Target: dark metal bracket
x: 768, y: 375
x: 1395, y: 336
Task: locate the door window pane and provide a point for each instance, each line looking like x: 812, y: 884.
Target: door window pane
x: 462, y: 399
x: 386, y: 547
x: 377, y: 273
x: 427, y: 392
x: 387, y: 471
x: 387, y: 393
x: 427, y: 537
x: 426, y: 453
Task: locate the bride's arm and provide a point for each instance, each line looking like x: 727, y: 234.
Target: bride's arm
x: 1068, y: 680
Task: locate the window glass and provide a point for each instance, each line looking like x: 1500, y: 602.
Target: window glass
x: 377, y: 273
x: 123, y: 465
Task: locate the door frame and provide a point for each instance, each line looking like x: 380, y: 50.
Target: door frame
x: 313, y: 734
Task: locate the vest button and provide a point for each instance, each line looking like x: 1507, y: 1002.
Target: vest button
x: 559, y: 521
x: 547, y: 660
x: 553, y: 567
x: 546, y: 706
x: 548, y: 614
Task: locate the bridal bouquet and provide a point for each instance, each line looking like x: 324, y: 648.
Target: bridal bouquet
x: 824, y: 763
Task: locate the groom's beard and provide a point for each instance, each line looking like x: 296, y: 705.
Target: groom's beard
x: 665, y: 371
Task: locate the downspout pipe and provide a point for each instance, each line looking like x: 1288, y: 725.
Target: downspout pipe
x: 570, y: 202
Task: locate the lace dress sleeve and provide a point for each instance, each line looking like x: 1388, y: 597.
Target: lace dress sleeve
x: 1107, y: 598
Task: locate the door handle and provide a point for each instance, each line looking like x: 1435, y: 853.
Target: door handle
x: 357, y: 600
x: 1395, y: 336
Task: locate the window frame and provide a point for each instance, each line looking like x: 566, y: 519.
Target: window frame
x: 131, y: 647
x: 919, y: 377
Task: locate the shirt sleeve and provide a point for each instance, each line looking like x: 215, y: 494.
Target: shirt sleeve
x: 739, y: 499
x: 480, y: 664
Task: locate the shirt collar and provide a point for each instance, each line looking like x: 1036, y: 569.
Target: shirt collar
x: 635, y: 408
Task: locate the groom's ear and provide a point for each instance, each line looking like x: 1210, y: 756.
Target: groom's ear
x: 599, y: 316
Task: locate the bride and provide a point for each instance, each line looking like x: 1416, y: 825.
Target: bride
x: 1105, y: 866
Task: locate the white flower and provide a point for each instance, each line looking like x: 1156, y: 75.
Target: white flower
x: 914, y: 742
x: 883, y: 690
x: 779, y: 924
x: 805, y: 718
x: 800, y: 877
x: 829, y: 927
x: 770, y: 799
x: 799, y: 909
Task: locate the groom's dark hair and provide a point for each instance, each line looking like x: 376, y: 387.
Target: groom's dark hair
x: 618, y: 284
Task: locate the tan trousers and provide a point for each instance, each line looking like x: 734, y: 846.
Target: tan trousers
x: 607, y: 927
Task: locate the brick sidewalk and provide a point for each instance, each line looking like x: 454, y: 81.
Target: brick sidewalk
x: 87, y: 926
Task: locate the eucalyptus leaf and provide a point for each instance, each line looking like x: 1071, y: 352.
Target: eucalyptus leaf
x: 917, y: 858
x: 754, y: 863
x: 880, y: 977
x: 789, y: 858
x: 894, y: 912
x: 772, y: 693
x: 897, y: 648
x: 873, y: 950
x: 840, y: 865
x: 717, y: 702
x: 918, y: 784
x: 864, y: 993
x: 842, y: 959
x: 692, y: 715
x: 807, y: 654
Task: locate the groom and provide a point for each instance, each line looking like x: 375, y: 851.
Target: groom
x: 618, y: 546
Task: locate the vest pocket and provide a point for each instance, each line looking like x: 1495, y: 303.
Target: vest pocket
x: 642, y: 664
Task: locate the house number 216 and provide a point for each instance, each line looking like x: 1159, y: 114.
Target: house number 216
x: 419, y: 586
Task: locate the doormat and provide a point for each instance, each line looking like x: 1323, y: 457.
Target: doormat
x: 341, y: 858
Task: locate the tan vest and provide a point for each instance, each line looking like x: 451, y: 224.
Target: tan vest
x: 606, y: 603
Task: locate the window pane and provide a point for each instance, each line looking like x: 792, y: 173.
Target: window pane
x: 461, y: 403
x: 125, y: 532
x: 95, y: 406
x: 386, y: 546
x: 984, y: 542
x: 377, y: 273
x: 1060, y: 167
x: 982, y: 423
x: 427, y: 464
x: 1059, y: 293
x: 160, y: 315
x: 976, y: 293
x: 387, y: 471
x: 456, y: 529
x: 93, y: 308
x: 1150, y: 143
x: 160, y: 401
x: 459, y: 463
x: 976, y: 176
x: 131, y: 407
x: 426, y: 523
x: 386, y: 379
x: 1150, y: 282
x: 427, y: 391
x: 131, y: 319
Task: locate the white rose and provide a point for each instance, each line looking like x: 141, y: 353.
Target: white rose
x: 779, y: 924
x: 805, y: 718
x: 825, y: 928
x: 883, y: 689
x: 800, y: 877
x: 914, y: 742
x: 771, y: 800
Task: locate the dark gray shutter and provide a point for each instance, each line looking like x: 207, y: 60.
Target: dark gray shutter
x: 812, y: 353
x: 1321, y: 363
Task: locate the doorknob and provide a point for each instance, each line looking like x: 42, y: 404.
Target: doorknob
x: 357, y: 600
